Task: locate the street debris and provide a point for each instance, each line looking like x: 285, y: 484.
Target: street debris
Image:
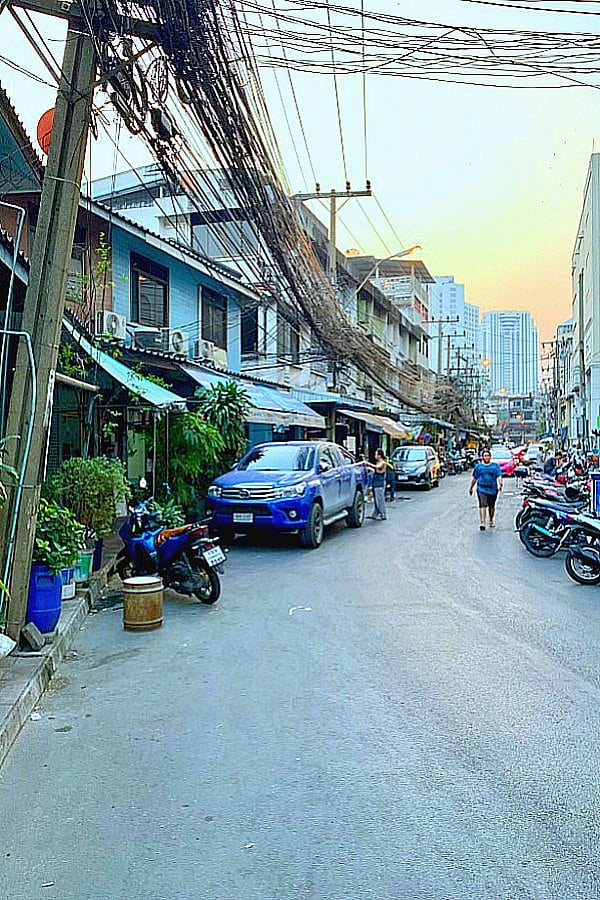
x: 248, y: 846
x: 35, y: 717
x: 294, y: 609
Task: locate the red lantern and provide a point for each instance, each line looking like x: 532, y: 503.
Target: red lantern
x: 44, y: 130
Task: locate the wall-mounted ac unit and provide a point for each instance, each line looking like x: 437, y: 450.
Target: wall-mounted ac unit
x: 220, y: 358
x: 111, y: 324
x: 176, y: 341
x: 204, y: 350
x: 148, y: 340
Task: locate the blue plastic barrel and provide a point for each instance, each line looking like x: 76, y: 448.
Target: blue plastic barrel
x: 44, y: 600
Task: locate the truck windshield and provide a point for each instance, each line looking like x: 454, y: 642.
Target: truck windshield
x: 411, y: 454
x: 279, y: 458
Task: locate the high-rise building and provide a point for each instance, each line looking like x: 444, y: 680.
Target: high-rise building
x: 459, y: 327
x: 510, y: 344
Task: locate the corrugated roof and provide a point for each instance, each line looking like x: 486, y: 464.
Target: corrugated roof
x: 24, y: 146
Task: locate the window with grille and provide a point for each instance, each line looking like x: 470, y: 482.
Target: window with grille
x: 149, y: 292
x: 214, y: 318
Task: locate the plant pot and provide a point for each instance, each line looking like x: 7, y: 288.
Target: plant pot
x: 68, y: 583
x: 83, y: 567
x: 97, y: 558
x: 44, y: 599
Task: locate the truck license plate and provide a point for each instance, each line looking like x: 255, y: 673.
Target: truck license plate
x: 214, y: 556
x: 243, y: 518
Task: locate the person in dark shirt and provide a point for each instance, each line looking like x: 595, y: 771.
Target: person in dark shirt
x: 379, y: 478
x: 487, y: 477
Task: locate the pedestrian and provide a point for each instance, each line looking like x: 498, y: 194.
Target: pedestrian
x: 379, y: 478
x: 390, y: 481
x: 487, y: 477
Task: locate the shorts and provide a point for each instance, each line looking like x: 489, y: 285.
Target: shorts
x: 487, y: 500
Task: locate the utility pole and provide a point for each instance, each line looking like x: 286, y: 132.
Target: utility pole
x: 45, y: 299
x: 448, y: 320
x: 333, y: 196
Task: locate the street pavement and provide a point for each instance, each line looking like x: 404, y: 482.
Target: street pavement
x: 410, y: 711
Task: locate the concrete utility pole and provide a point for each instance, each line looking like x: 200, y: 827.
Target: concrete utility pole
x: 333, y: 197
x: 45, y: 298
x: 448, y: 320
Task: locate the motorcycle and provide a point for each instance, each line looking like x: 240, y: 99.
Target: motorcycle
x: 582, y: 561
x: 187, y: 558
x: 550, y: 529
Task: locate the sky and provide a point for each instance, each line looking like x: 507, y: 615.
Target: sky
x: 489, y: 181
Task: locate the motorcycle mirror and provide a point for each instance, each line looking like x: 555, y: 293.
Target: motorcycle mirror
x: 143, y: 483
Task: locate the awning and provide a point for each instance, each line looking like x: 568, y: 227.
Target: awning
x: 269, y: 406
x: 154, y: 394
x: 380, y: 424
x: 307, y: 396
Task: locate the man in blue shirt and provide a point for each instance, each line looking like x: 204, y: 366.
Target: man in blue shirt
x: 487, y: 476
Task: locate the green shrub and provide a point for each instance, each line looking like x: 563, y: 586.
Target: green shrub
x: 59, y: 537
x: 91, y: 489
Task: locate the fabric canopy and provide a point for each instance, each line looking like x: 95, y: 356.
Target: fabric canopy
x: 146, y: 390
x: 381, y: 424
x: 269, y: 406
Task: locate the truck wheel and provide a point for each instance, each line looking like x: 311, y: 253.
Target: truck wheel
x: 356, y: 513
x: 311, y: 535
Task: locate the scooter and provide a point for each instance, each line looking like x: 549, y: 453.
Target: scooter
x: 187, y: 558
x: 582, y: 562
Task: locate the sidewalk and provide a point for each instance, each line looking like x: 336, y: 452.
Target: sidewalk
x: 25, y: 676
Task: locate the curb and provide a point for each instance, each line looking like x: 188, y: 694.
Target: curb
x: 25, y: 677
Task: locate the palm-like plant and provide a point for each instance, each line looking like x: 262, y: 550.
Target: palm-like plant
x: 226, y: 406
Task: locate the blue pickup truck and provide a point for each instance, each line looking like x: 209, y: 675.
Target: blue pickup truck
x: 295, y: 487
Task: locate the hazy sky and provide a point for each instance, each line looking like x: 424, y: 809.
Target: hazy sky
x: 488, y: 180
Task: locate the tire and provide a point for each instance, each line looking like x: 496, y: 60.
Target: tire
x: 536, y: 543
x: 577, y: 571
x: 356, y: 513
x: 311, y: 535
x: 125, y: 567
x: 227, y: 536
x: 211, y: 591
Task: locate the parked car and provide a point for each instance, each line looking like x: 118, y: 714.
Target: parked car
x: 505, y: 459
x: 416, y: 465
x: 295, y: 487
x: 532, y: 454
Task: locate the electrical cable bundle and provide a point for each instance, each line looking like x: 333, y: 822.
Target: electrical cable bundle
x: 215, y: 108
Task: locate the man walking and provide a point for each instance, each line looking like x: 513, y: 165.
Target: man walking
x: 379, y: 478
x: 487, y: 476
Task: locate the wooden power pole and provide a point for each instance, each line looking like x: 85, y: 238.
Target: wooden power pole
x: 45, y: 302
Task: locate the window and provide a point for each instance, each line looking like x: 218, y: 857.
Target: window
x: 288, y: 340
x: 327, y: 460
x: 214, y: 318
x: 282, y: 458
x: 250, y: 330
x: 347, y: 459
x: 149, y: 292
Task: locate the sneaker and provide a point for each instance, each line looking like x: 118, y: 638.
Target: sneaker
x: 482, y: 527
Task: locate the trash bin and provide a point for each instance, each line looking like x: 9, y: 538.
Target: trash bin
x: 143, y: 603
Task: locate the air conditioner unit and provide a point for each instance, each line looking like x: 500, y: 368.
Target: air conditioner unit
x: 176, y: 341
x: 111, y: 324
x: 220, y: 358
x: 204, y: 350
x: 148, y: 340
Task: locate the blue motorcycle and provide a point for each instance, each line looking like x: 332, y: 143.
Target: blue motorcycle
x: 187, y: 558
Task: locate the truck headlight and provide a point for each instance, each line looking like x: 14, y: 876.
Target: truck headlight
x: 214, y: 490
x: 295, y: 490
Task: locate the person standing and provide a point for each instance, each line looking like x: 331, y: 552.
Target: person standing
x: 487, y: 477
x: 379, y: 478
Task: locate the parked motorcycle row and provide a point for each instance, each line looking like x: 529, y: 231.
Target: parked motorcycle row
x: 556, y: 516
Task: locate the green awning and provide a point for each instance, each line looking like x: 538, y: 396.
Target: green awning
x: 154, y: 394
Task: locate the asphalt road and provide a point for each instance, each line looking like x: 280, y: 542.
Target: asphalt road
x: 409, y: 712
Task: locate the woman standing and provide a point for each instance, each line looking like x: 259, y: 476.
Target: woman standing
x: 487, y: 476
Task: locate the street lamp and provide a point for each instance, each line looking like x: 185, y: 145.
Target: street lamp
x: 398, y: 255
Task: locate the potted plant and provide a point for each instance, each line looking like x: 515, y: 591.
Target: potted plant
x: 91, y: 488
x: 59, y: 538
